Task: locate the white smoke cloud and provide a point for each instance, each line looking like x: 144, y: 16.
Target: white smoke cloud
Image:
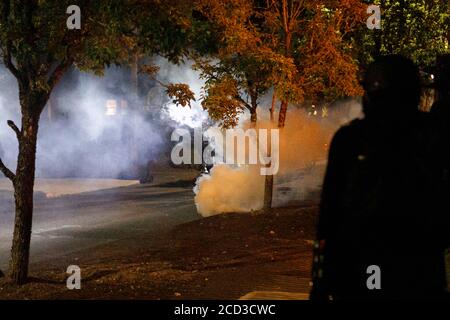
x: 9, y: 101
x: 193, y: 116
x: 77, y: 138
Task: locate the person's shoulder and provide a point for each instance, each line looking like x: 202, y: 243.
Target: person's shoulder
x: 349, y: 132
x: 351, y: 128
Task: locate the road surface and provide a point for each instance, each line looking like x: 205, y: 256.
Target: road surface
x: 104, y: 211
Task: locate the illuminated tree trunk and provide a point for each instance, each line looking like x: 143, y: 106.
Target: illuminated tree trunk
x: 268, y: 185
x: 253, y: 103
x: 272, y: 107
x: 282, y: 115
x: 268, y: 181
x: 23, y: 195
x: 288, y: 15
x: 253, y: 116
x: 285, y: 102
x: 23, y: 181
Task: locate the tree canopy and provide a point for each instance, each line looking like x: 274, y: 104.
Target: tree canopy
x: 301, y: 49
x: 418, y: 29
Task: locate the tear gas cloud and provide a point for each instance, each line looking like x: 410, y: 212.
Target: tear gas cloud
x: 303, y: 151
x: 77, y: 138
x: 193, y: 116
x: 229, y: 189
x: 81, y: 137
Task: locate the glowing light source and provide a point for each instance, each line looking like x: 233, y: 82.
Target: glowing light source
x: 111, y: 107
x: 192, y: 117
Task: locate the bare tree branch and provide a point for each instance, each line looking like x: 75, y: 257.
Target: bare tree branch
x: 15, y: 128
x: 7, y: 60
x: 245, y: 103
x: 8, y: 173
x: 59, y: 72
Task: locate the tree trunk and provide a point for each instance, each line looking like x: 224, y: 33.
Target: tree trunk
x: 253, y: 104
x: 272, y: 107
x: 268, y: 181
x: 268, y: 185
x: 268, y: 192
x: 134, y: 77
x: 32, y: 104
x: 253, y: 116
x: 134, y: 109
x: 282, y: 114
x: 284, y: 102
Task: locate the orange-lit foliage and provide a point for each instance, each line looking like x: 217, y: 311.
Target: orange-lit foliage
x: 244, y: 66
x: 180, y: 93
x: 315, y: 34
x: 300, y: 48
x: 326, y: 67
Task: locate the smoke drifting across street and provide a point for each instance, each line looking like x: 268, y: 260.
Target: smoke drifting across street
x: 92, y: 130
x: 93, y: 126
x: 89, y: 130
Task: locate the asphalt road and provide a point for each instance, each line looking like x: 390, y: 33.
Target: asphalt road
x: 73, y: 222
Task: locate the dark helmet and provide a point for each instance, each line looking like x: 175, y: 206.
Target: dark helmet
x: 392, y: 87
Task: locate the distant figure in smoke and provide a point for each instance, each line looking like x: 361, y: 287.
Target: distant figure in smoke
x: 380, y: 201
x: 147, y: 173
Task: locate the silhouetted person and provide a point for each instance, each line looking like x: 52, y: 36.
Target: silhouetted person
x: 380, y: 203
x: 442, y: 86
x: 440, y: 112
